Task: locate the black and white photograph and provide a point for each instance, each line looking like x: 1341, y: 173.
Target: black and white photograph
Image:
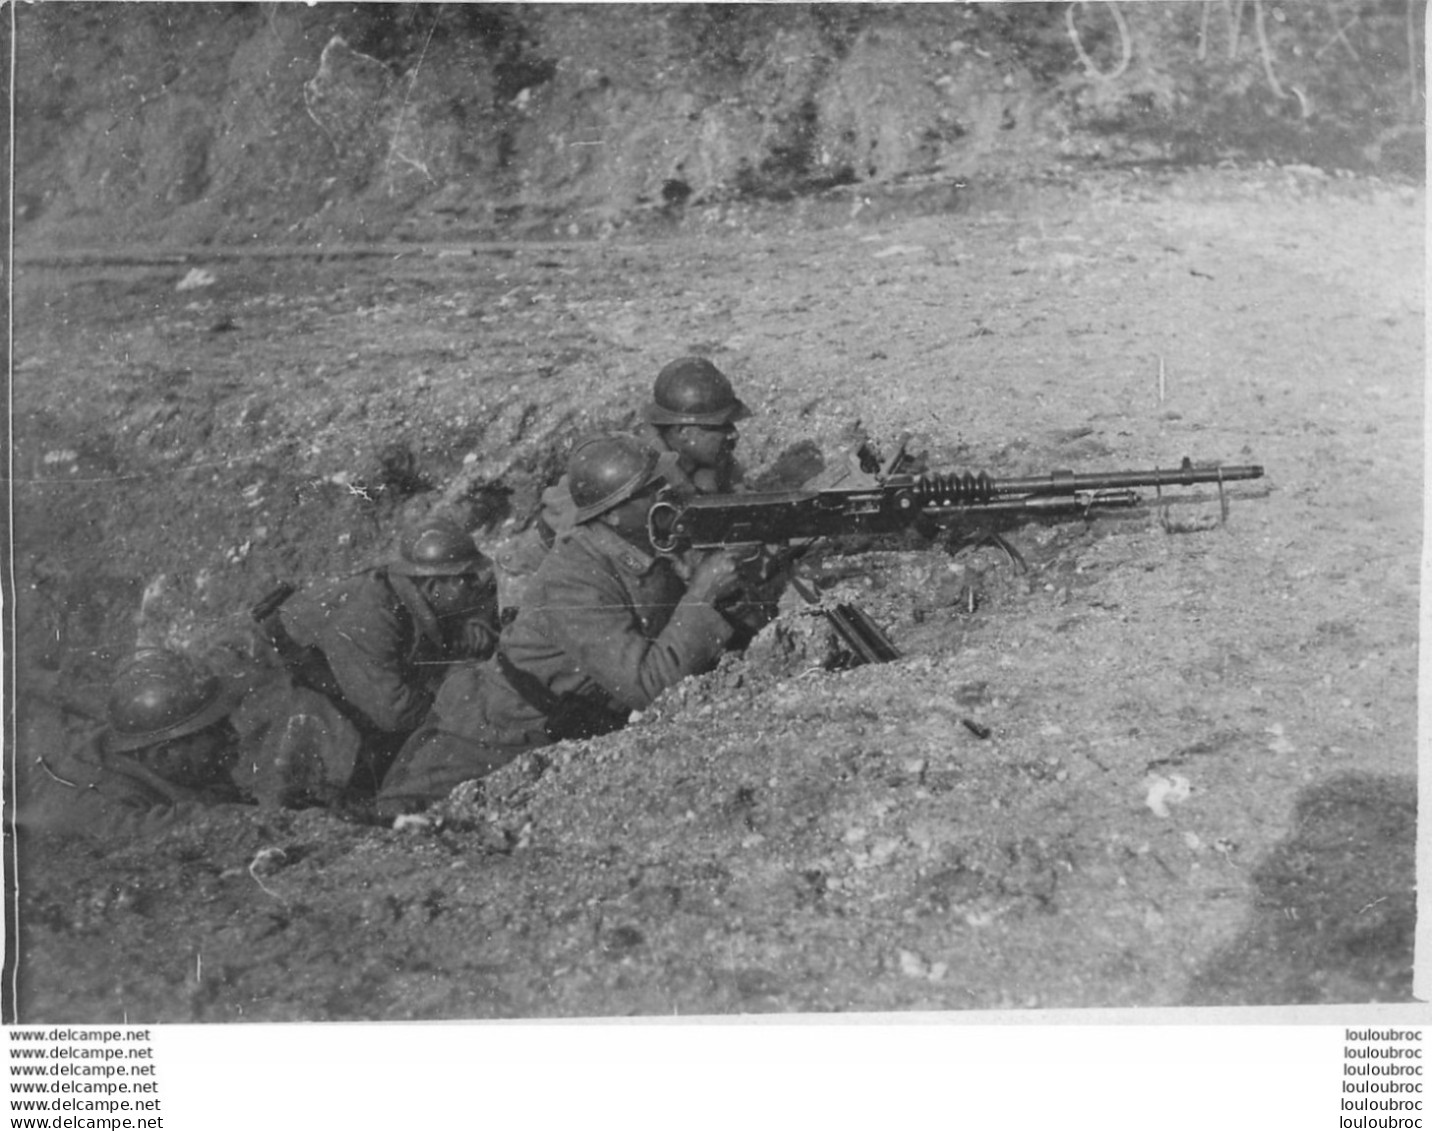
x: 554, y: 512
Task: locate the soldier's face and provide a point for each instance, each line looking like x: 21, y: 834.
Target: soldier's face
x: 463, y: 593
x: 196, y: 760
x: 706, y: 445
x: 629, y: 518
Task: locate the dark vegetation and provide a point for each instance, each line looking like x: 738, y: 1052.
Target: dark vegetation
x: 230, y: 121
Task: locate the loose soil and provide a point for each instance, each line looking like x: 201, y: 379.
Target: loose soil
x: 1198, y: 785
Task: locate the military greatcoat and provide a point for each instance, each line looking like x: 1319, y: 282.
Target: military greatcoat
x: 605, y: 627
x: 385, y: 650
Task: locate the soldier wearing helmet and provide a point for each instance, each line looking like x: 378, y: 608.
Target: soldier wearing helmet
x: 377, y: 644
x: 607, y: 625
x: 176, y: 738
x: 167, y: 745
x: 692, y: 414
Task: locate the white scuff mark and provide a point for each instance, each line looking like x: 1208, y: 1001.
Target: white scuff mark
x: 329, y: 62
x: 899, y: 249
x: 915, y: 965
x: 195, y: 279
x: 152, y: 595
x: 1166, y: 791
x: 266, y: 862
x: 983, y: 917
x: 403, y: 114
x: 413, y: 162
x: 912, y: 965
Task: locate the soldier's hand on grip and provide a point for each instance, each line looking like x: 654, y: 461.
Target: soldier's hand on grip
x: 717, y: 575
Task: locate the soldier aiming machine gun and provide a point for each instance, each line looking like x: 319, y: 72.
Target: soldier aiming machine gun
x: 885, y: 501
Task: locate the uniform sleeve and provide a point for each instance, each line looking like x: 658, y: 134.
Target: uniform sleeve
x: 108, y: 811
x: 365, y: 645
x: 559, y: 512
x: 593, y: 622
x: 474, y: 638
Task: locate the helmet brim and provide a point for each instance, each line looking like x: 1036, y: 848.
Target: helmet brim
x: 479, y: 565
x: 736, y: 410
x: 221, y: 707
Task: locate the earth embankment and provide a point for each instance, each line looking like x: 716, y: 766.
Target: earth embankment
x: 1198, y: 784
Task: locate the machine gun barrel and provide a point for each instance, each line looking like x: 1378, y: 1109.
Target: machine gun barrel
x: 1067, y: 482
x: 958, y: 490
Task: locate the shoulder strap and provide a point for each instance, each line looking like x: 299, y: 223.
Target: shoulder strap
x: 423, y: 618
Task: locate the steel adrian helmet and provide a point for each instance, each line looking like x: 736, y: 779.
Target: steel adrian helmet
x: 691, y: 390
x: 439, y: 547
x: 158, y: 696
x: 605, y: 472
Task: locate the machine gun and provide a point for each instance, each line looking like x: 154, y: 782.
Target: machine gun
x: 885, y: 501
x: 891, y: 503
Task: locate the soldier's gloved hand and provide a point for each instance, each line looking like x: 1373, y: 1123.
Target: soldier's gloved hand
x: 478, y: 639
x: 717, y: 575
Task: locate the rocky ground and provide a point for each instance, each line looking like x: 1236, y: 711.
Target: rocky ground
x: 1198, y: 781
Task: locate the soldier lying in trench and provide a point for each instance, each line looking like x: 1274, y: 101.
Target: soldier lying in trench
x: 177, y: 739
